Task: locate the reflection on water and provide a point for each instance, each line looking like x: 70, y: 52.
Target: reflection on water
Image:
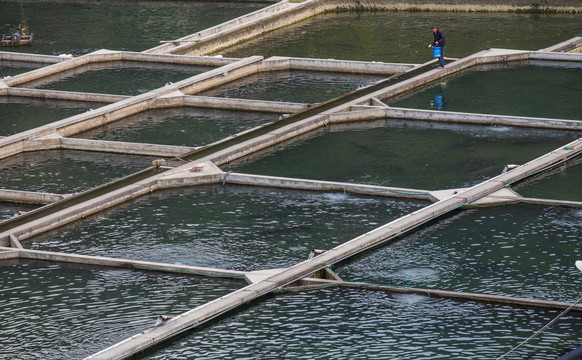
x: 355, y: 324
x: 66, y: 171
x: 183, y: 126
x: 524, y: 251
x: 520, y: 89
x: 439, y: 102
x: 61, y: 311
x: 232, y: 228
x: 293, y: 86
x: 405, y: 154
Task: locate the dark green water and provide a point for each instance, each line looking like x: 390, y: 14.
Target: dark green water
x: 562, y: 183
x: 21, y: 114
x: 240, y: 228
x: 79, y: 28
x: 61, y: 311
x: 118, y: 77
x: 184, y: 126
x: 292, y: 86
x: 66, y: 171
x: 358, y: 324
x: 10, y: 68
x: 519, y: 250
x: 405, y: 154
x: 533, y: 89
x: 404, y: 36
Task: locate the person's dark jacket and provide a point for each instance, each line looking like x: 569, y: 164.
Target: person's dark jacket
x: 440, y: 37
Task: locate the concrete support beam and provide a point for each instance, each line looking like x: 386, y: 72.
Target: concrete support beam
x: 15, y: 243
x: 123, y: 147
x: 551, y: 202
x: 8, y: 254
x: 565, y: 46
x: 31, y: 58
x: 127, y: 264
x: 64, y: 95
x: 29, y: 197
x: 243, y: 104
x: 464, y: 296
x: 315, y: 185
x: 555, y: 56
x: 338, y: 66
x: 481, y: 119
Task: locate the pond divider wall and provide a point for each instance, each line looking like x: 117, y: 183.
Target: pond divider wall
x: 180, y: 94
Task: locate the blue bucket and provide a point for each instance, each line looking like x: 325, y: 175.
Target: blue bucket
x: 436, y: 51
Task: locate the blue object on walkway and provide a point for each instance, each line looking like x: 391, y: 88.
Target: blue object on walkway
x: 436, y: 51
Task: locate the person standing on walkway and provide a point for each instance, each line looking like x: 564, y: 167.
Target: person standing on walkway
x: 439, y: 40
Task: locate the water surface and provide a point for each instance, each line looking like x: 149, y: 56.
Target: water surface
x: 292, y: 86
x: 21, y: 114
x: 518, y: 250
x: 239, y: 228
x: 11, y: 68
x: 183, y: 126
x: 533, y: 89
x: 67, y: 171
x: 561, y: 183
x: 358, y: 324
x: 64, y: 311
x: 124, y: 26
x: 408, y: 154
x: 8, y: 210
x: 118, y: 77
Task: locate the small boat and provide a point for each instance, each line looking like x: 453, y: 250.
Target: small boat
x: 16, y: 39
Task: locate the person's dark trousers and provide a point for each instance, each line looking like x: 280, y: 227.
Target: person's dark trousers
x: 442, y: 57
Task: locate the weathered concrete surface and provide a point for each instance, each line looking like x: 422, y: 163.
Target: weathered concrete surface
x: 458, y: 295
x: 126, y: 263
x: 375, y: 112
x: 483, y: 119
x: 31, y: 58
x: 29, y: 197
x: 64, y: 95
x: 242, y: 104
x: 119, y: 147
x: 565, y: 46
x: 337, y: 66
x: 315, y: 185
